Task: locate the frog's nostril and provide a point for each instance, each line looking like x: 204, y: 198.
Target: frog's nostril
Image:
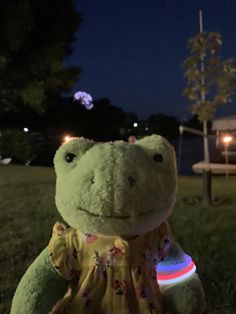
x: 132, y: 181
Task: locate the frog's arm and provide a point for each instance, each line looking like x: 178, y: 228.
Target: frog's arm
x: 40, y: 288
x: 179, y: 283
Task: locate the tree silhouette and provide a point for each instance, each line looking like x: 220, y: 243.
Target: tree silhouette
x: 35, y: 38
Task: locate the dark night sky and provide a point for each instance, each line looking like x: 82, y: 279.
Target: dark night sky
x: 132, y: 51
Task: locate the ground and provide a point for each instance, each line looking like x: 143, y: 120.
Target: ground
x: 27, y: 213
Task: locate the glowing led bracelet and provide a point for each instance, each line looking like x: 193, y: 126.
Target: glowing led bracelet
x: 170, y: 274
x: 166, y: 275
x: 165, y: 267
x: 177, y: 279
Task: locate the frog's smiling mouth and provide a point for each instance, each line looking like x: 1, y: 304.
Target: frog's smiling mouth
x: 112, y: 216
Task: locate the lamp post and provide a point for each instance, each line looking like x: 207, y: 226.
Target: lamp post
x: 206, y: 172
x: 227, y: 139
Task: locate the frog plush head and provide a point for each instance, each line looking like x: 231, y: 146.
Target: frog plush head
x: 115, y: 188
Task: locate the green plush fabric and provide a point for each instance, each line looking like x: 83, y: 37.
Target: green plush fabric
x: 186, y: 297
x: 39, y: 289
x: 115, y: 188
x: 112, y: 188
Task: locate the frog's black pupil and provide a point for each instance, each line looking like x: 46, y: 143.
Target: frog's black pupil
x: 158, y: 157
x: 70, y: 157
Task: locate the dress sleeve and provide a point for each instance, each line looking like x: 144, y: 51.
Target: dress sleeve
x: 59, y: 251
x: 174, y: 265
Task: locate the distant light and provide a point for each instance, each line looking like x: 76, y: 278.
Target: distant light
x: 147, y: 128
x: 26, y: 130
x: 67, y: 138
x: 135, y: 124
x: 227, y: 139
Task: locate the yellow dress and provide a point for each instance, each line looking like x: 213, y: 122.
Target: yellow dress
x: 108, y: 274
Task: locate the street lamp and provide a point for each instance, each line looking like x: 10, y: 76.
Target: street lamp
x: 135, y: 124
x: 227, y: 139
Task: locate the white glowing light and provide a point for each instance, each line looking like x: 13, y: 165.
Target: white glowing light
x: 85, y: 99
x: 135, y: 124
x: 67, y: 138
x: 147, y: 128
x: 178, y: 279
x: 26, y: 130
x: 227, y: 139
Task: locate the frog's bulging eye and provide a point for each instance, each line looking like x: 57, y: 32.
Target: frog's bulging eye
x: 70, y: 157
x: 158, y: 157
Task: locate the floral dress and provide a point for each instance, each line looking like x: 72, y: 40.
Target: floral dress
x: 109, y: 274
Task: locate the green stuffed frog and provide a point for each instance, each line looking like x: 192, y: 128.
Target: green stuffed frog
x: 118, y: 254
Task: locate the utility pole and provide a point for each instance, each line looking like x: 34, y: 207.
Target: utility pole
x: 206, y: 173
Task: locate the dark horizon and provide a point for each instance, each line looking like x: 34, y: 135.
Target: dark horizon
x: 131, y: 52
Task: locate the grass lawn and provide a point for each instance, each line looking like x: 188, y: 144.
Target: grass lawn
x: 27, y: 213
